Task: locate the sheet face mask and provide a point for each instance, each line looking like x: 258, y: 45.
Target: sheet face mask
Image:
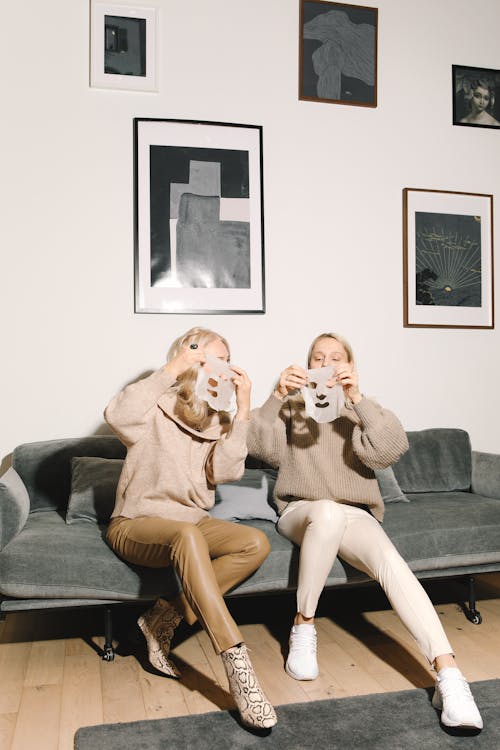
x: 218, y: 393
x: 323, y: 403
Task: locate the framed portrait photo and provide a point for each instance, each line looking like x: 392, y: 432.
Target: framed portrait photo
x: 447, y: 259
x: 199, y: 225
x: 338, y: 53
x: 476, y: 97
x: 123, y: 47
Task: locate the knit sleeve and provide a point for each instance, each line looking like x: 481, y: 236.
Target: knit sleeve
x: 379, y: 438
x: 226, y: 461
x: 129, y: 412
x: 267, y: 431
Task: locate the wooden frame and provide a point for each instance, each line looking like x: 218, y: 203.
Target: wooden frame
x: 447, y: 259
x: 338, y: 53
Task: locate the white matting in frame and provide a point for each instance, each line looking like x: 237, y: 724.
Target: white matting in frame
x: 448, y: 259
x: 123, y: 47
x: 199, y: 240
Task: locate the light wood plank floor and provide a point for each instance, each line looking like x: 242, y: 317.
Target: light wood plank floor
x: 52, y: 681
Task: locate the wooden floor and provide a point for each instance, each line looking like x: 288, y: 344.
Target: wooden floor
x: 52, y: 680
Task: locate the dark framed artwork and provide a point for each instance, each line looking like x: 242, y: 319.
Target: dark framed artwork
x: 338, y: 53
x: 123, y: 47
x: 476, y: 96
x: 447, y: 259
x: 199, y: 223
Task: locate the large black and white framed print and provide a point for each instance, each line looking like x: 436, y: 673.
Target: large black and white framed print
x: 199, y: 227
x: 338, y: 53
x: 123, y: 47
x: 447, y: 259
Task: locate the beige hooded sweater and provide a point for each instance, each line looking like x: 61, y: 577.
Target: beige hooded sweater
x: 327, y: 461
x: 171, y: 469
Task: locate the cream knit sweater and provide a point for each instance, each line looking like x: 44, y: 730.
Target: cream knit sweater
x: 170, y: 469
x: 333, y: 460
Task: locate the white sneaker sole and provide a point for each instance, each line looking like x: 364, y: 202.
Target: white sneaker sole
x: 295, y: 676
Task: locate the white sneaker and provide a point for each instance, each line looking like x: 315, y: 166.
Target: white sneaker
x: 302, y: 663
x: 453, y: 698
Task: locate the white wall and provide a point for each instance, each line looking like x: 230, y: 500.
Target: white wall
x: 333, y: 177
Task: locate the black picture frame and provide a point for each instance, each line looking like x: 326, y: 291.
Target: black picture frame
x: 330, y: 32
x: 198, y: 217
x: 470, y: 110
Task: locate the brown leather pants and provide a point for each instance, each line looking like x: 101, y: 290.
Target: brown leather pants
x: 210, y: 558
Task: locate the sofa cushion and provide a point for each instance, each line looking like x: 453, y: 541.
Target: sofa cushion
x: 14, y: 506
x: 93, y: 488
x: 250, y: 497
x: 437, y: 532
x: 389, y: 488
x: 439, y: 460
x: 51, y: 559
x: 45, y: 467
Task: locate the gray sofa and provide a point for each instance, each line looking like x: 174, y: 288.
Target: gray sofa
x: 442, y: 512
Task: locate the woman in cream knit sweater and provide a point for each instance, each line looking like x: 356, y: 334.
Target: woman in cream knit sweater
x: 330, y: 504
x: 178, y: 449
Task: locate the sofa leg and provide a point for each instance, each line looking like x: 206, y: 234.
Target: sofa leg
x: 108, y: 651
x: 470, y: 611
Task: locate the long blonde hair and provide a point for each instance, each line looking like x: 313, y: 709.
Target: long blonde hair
x: 340, y: 339
x: 192, y: 410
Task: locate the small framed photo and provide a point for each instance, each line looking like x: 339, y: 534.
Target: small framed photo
x: 447, y: 259
x: 123, y: 47
x: 338, y: 53
x: 199, y: 225
x: 476, y: 97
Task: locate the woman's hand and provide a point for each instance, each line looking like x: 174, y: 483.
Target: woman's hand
x: 347, y: 377
x: 186, y: 359
x: 291, y: 379
x: 243, y: 387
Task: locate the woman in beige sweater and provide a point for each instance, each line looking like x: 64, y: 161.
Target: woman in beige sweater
x: 178, y: 449
x: 330, y: 505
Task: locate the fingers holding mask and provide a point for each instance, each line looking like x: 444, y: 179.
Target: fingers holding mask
x: 292, y: 378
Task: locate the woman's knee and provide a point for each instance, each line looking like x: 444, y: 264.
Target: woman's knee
x: 257, y: 544
x: 327, y: 516
x: 187, y: 536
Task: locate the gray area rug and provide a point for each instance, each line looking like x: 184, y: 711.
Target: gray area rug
x: 388, y: 721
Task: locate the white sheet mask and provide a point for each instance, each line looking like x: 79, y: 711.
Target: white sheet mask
x: 323, y: 403
x: 218, y: 393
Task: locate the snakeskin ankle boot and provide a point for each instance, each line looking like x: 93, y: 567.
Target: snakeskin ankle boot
x: 255, y: 710
x: 158, y: 625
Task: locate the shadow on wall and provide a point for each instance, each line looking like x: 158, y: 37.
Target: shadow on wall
x: 101, y: 429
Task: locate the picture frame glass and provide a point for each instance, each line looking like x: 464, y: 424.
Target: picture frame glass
x: 199, y: 243
x: 338, y: 53
x: 448, y: 259
x: 476, y: 97
x: 123, y: 48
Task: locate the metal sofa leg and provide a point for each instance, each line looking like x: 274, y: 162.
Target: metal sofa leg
x: 470, y: 611
x: 108, y: 651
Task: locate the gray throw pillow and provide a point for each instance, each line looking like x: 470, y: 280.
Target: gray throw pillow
x: 93, y: 488
x: 250, y: 498
x: 389, y: 488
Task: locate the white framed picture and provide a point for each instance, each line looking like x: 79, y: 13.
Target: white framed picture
x: 447, y: 259
x: 199, y: 223
x: 123, y: 47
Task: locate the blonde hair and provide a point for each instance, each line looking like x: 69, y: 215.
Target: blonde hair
x: 192, y: 410
x: 336, y: 337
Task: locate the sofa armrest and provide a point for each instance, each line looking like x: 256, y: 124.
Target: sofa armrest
x: 14, y: 506
x: 486, y: 474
